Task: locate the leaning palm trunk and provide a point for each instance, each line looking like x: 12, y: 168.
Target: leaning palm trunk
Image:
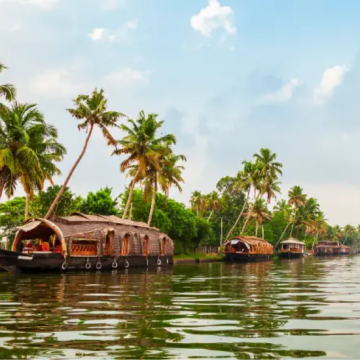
x: 2, y: 187
x: 282, y: 235
x: 239, y: 217
x: 52, y: 207
x: 27, y: 200
x: 249, y: 214
x: 256, y: 229
x: 212, y: 211
x: 131, y: 190
x: 153, y: 200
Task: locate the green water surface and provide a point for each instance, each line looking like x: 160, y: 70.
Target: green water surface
x: 307, y: 308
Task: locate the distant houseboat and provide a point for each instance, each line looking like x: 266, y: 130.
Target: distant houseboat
x: 292, y: 248
x: 86, y: 242
x: 248, y: 248
x: 331, y: 248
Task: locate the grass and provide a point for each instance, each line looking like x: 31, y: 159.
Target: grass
x: 198, y: 256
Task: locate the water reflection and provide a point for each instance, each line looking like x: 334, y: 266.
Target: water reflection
x: 300, y: 308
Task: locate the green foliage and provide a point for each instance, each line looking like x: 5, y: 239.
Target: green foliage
x: 186, y: 229
x: 100, y: 203
x: 11, y: 216
x: 67, y: 204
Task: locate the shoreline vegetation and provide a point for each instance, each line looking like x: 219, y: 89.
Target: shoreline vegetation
x: 249, y: 202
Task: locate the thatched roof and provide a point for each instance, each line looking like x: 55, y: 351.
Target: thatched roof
x: 292, y: 241
x: 77, y: 218
x: 250, y: 240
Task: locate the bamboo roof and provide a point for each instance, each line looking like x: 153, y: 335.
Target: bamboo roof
x: 110, y: 219
x: 292, y: 241
x: 251, y: 240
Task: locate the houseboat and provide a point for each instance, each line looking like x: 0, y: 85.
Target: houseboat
x: 86, y: 242
x: 292, y: 248
x: 248, y: 248
x: 331, y: 248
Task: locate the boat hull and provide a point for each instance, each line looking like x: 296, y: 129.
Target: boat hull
x: 13, y: 261
x: 247, y: 257
x: 290, y: 255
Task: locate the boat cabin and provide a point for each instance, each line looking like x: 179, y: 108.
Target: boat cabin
x: 292, y: 248
x: 247, y: 247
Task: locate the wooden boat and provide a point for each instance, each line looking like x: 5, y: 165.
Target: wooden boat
x: 248, y: 248
x: 87, y: 242
x: 331, y: 248
x: 292, y: 248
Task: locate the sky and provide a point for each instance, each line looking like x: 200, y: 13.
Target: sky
x: 228, y: 77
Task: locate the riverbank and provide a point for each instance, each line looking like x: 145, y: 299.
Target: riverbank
x: 197, y: 258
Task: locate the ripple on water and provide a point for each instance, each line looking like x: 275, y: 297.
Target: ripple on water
x: 290, y: 309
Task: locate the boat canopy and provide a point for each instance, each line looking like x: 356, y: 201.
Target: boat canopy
x: 293, y: 241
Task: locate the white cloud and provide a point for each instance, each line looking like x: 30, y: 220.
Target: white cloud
x: 213, y: 17
x: 122, y: 34
x: 332, y: 78
x: 15, y: 27
x: 42, y: 4
x: 56, y: 83
x: 128, y: 77
x: 111, y: 4
x: 285, y: 93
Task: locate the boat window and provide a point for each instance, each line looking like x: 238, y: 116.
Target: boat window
x: 125, y: 246
x: 145, y: 245
x: 84, y: 247
x: 163, y: 246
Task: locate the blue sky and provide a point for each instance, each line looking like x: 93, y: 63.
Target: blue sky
x: 227, y: 76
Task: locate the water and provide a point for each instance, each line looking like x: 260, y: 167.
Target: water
x: 305, y: 308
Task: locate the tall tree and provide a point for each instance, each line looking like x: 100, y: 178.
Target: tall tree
x: 213, y: 203
x: 92, y: 110
x: 8, y: 91
x: 259, y: 213
x: 143, y: 148
x: 28, y: 149
x: 197, y: 202
x: 267, y: 161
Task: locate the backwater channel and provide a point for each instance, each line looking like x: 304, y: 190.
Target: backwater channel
x: 306, y: 308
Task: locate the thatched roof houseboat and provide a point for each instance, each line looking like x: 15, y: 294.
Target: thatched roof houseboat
x: 292, y: 248
x: 248, y: 248
x: 329, y: 248
x: 87, y: 242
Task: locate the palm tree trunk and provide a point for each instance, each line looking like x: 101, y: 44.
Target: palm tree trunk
x: 256, y: 228
x: 27, y: 206
x: 282, y: 235
x: 51, y: 209
x: 262, y: 232
x: 2, y: 187
x: 153, y: 199
x: 297, y: 231
x: 239, y: 217
x: 131, y: 190
x: 291, y: 231
x: 249, y: 214
x: 210, y: 215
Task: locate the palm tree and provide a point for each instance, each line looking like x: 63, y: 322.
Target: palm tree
x: 197, y: 202
x: 282, y: 206
x: 259, y: 213
x: 270, y: 187
x: 28, y: 150
x: 296, y: 197
x: 267, y: 161
x: 92, y: 109
x: 213, y: 203
x: 143, y: 148
x: 245, y: 180
x: 7, y: 90
x: 170, y: 174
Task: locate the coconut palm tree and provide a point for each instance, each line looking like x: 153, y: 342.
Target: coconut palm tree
x: 170, y: 174
x: 28, y: 150
x: 270, y: 187
x: 267, y: 161
x: 259, y: 213
x: 143, y: 148
x: 296, y: 197
x: 245, y: 180
x: 8, y: 91
x: 282, y: 206
x: 213, y: 203
x: 197, y: 202
x: 92, y: 110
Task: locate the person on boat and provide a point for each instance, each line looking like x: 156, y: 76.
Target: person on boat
x: 29, y: 246
x: 57, y: 246
x: 43, y: 246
